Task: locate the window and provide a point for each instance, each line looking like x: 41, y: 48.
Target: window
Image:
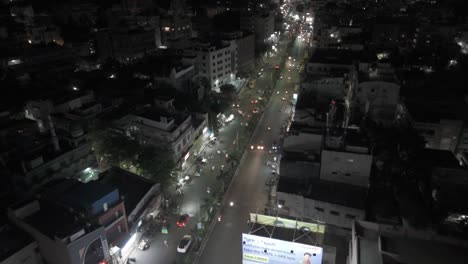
x: 281, y: 202
x: 104, y: 206
x: 350, y: 216
x: 178, y: 147
x: 119, y: 228
x: 347, y: 174
x: 318, y: 209
x: 334, y: 212
x: 334, y: 172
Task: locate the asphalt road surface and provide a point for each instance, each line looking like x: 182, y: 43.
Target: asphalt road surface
x: 248, y: 191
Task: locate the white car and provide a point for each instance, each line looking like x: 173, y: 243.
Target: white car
x: 184, y: 244
x: 143, y: 245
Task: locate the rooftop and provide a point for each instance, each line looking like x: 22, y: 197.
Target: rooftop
x: 351, y: 138
x: 12, y: 240
x: 78, y: 193
x: 131, y: 186
x: 54, y: 221
x: 429, y: 113
x: 377, y: 247
x: 155, y: 113
x: 326, y: 191
x: 439, y: 158
x: 334, y: 56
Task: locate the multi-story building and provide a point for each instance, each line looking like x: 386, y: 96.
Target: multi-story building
x: 324, y: 61
x: 333, y: 190
x: 160, y: 127
x: 329, y: 85
x: 180, y: 75
x: 346, y: 158
x: 377, y: 94
x: 441, y: 128
x: 61, y: 236
x: 262, y: 25
x: 125, y: 44
x: 175, y: 30
x: 245, y: 44
x: 94, y: 201
x: 217, y: 62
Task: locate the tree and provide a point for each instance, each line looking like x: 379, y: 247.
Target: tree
x: 228, y: 90
x: 156, y: 163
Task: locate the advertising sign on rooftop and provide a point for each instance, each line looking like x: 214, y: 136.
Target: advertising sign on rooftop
x: 258, y: 249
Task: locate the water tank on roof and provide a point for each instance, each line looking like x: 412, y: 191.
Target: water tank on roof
x: 76, y: 130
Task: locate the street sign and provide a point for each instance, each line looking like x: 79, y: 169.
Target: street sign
x: 164, y: 230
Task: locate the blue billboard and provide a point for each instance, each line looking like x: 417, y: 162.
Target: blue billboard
x: 257, y: 249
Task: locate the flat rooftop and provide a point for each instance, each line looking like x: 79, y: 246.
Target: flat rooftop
x: 131, y: 186
x: 334, y: 56
x: 407, y: 249
x: 349, y: 138
x: 54, y: 221
x: 438, y: 158
x: 77, y: 193
x: 326, y: 191
x: 12, y: 240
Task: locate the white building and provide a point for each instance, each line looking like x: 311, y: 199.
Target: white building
x: 333, y: 190
x: 346, y: 158
x: 217, y: 62
x: 160, y: 127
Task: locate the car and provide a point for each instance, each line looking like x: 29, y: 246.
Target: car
x: 201, y: 160
x: 183, y: 220
x: 143, y: 245
x: 184, y: 244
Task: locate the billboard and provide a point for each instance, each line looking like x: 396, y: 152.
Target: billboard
x: 258, y: 249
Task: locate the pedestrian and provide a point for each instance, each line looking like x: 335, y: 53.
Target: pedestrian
x: 165, y: 243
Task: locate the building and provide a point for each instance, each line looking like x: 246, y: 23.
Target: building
x: 262, y: 25
x: 180, y: 75
x: 62, y: 238
x: 141, y: 197
x: 323, y: 61
x: 378, y: 244
x: 18, y: 246
x: 175, y: 30
x: 327, y: 182
x: 377, y: 94
x: 217, y: 62
x: 331, y: 85
x: 440, y: 127
x: 346, y: 157
x: 160, y: 127
x: 95, y: 202
x: 245, y: 44
x: 142, y: 200
x: 79, y: 107
x: 126, y: 43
